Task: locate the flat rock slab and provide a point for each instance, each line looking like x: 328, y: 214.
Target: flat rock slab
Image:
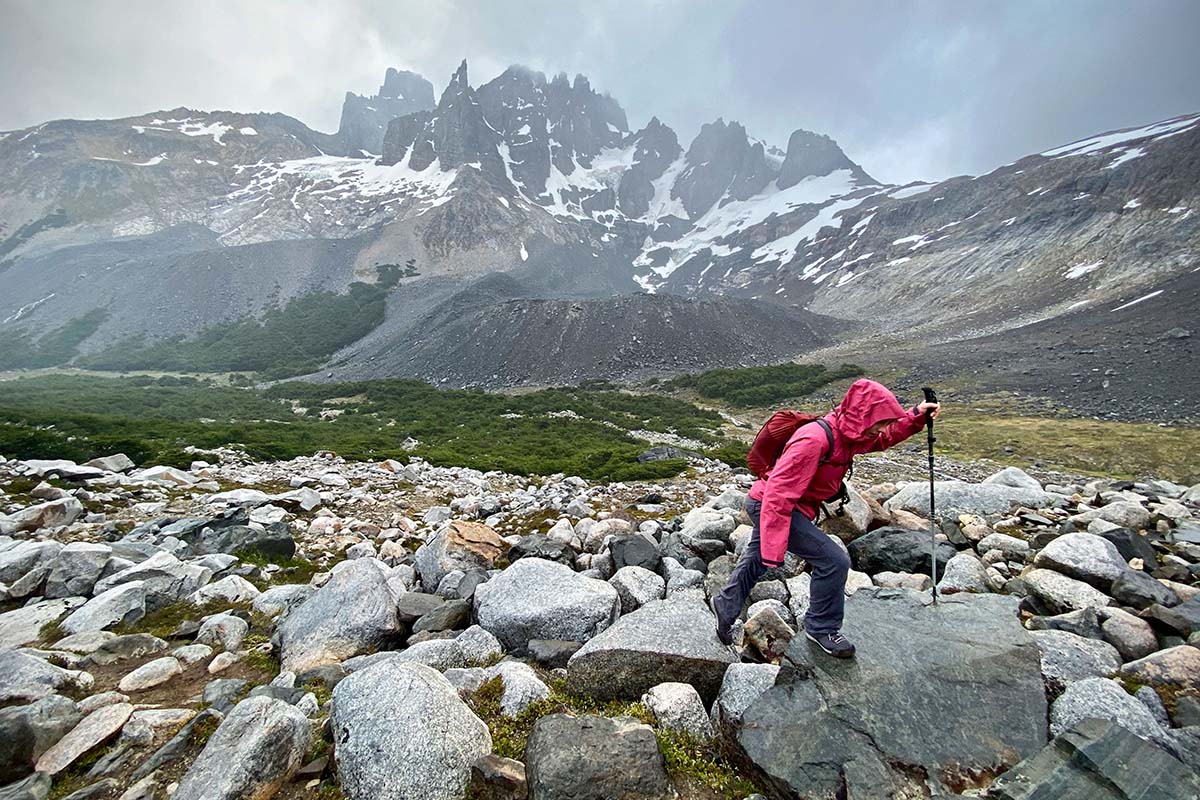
x: 952, y: 691
x: 971, y: 498
x: 664, y: 640
x: 1098, y: 760
x: 594, y: 758
x: 95, y: 729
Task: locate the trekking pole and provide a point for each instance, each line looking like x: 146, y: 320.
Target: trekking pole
x: 930, y: 397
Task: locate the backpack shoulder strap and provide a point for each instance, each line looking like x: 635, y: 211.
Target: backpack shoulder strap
x: 829, y: 436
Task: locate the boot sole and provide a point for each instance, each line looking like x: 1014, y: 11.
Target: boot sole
x: 834, y: 653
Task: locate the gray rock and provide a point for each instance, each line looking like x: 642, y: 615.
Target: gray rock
x: 133, y: 645
x: 965, y: 668
x: 664, y: 640
x: 1095, y: 760
x: 151, y: 674
x: 1138, y: 590
x: 1014, y: 549
x: 1067, y: 658
x: 1084, y: 622
x: 458, y: 545
x: 164, y: 578
x: 281, y: 599
x: 95, y: 729
x: 678, y: 707
x: 968, y: 498
x: 439, y: 654
x: 28, y: 731
x: 24, y: 625
x: 76, y: 569
x: 1016, y: 477
x: 494, y: 777
x: 230, y: 589
x: 478, y: 646
x: 1154, y: 704
x: 1085, y: 556
x: 28, y: 678
x: 411, y: 606
x: 594, y: 758
x: 1103, y: 698
x: 799, y: 594
x: 254, y: 751
x: 52, y: 514
x: 225, y: 630
x: 637, y: 586
x: 522, y: 686
x: 897, y: 550
x: 741, y: 686
x: 539, y: 599
x: 123, y: 604
x: 1061, y: 593
x: 449, y: 616
x: 1183, y: 620
x: 354, y: 613
x: 636, y: 550
x: 1132, y: 636
x: 553, y: 653
x: 1125, y: 513
x: 402, y: 733
x: 24, y: 557
x: 964, y: 572
x: 34, y: 787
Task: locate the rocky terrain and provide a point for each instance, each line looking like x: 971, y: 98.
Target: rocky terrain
x: 177, y: 220
x: 323, y: 628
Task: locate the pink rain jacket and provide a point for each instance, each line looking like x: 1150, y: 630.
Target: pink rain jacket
x: 799, y: 482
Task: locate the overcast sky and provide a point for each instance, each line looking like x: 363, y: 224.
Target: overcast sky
x: 911, y: 90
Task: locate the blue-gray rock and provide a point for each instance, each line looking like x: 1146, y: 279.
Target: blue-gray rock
x: 539, y: 599
x: 637, y: 586
x: 594, y: 758
x: 898, y: 550
x: 28, y: 731
x: 964, y: 669
x: 664, y: 640
x: 76, y: 569
x: 254, y: 751
x: 402, y: 733
x: 1097, y: 760
x: 1067, y: 658
x: 678, y: 707
x: 1104, y: 698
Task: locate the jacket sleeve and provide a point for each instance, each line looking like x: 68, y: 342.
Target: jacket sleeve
x: 785, y: 485
x: 897, y: 432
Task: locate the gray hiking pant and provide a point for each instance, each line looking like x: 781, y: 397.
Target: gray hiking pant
x: 829, y: 563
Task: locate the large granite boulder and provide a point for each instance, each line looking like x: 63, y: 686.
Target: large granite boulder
x: 1098, y: 759
x: 27, y: 677
x: 952, y: 691
x: 466, y: 546
x: 353, y: 613
x: 402, y: 733
x: 594, y: 758
x: 539, y: 599
x: 254, y: 751
x: 1085, y: 556
x: 122, y: 604
x: 76, y: 569
x: 898, y: 550
x: 664, y: 640
x: 164, y: 578
x: 28, y: 731
x: 1061, y: 594
x: 965, y: 498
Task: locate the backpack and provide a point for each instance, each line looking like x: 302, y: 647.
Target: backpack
x: 773, y: 437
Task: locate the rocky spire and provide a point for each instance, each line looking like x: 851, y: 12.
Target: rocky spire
x: 721, y: 161
x: 811, y: 154
x: 365, y: 119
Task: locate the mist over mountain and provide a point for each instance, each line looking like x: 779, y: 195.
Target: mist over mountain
x: 129, y: 232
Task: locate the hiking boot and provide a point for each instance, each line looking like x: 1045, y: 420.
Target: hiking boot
x: 834, y: 644
x: 723, y: 633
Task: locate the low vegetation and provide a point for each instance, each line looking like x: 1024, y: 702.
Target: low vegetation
x: 761, y: 386
x: 574, y: 431
x: 291, y: 340
x: 22, y: 351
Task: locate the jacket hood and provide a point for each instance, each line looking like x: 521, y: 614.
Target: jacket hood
x: 866, y: 403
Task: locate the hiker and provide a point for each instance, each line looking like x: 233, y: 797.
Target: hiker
x: 784, y: 504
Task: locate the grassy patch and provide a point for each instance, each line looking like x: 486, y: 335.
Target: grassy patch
x: 762, y: 386
x: 509, y: 734
x: 691, y: 761
x: 1089, y: 447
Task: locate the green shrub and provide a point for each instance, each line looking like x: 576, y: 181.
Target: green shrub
x: 762, y: 386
